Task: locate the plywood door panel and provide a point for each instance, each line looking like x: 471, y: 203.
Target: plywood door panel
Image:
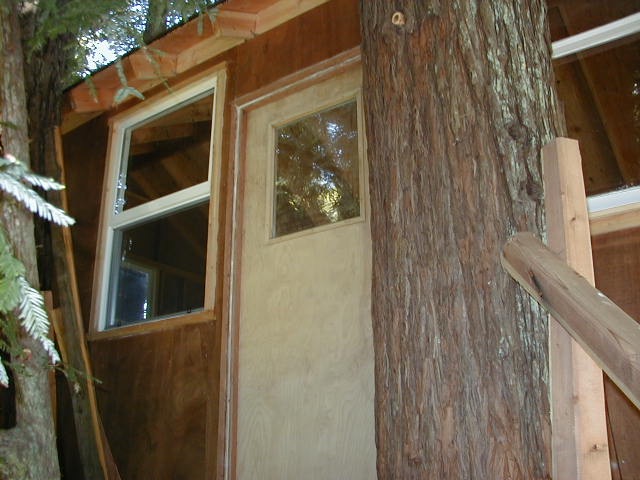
x: 305, y: 359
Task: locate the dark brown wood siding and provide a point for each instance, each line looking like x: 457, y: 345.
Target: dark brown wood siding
x: 616, y: 261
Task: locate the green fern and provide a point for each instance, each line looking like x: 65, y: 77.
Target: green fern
x: 18, y: 299
x: 15, y: 178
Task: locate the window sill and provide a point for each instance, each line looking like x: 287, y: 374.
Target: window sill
x: 206, y: 316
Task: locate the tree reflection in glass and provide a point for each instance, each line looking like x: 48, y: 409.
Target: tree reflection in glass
x: 317, y: 177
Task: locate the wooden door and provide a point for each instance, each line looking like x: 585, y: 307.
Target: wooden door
x: 305, y: 355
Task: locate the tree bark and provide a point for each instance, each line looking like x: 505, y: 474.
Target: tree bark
x: 46, y: 69
x: 28, y: 451
x: 458, y: 103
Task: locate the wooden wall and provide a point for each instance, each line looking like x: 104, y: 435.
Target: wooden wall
x: 616, y: 258
x: 85, y: 151
x: 158, y: 396
x: 153, y: 400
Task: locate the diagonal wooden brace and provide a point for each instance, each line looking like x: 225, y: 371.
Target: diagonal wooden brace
x: 604, y: 330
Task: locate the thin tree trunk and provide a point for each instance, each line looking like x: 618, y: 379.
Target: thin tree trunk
x: 156, y: 21
x: 458, y: 102
x: 28, y: 451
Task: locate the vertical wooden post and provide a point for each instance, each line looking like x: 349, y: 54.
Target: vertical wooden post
x: 579, y: 438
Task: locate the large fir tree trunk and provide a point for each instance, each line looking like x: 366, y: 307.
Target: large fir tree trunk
x: 28, y: 450
x: 458, y: 101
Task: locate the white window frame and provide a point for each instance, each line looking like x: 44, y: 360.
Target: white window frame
x: 627, y: 198
x: 213, y: 80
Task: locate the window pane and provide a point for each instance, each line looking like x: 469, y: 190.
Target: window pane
x: 159, y: 267
x: 168, y: 153
x: 317, y: 170
x: 570, y: 17
x: 600, y: 93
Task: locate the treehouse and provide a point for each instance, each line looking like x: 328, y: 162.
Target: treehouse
x: 224, y: 272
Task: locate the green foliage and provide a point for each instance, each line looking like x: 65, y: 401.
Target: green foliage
x: 123, y: 26
x: 15, y: 179
x: 56, y: 17
x: 21, y: 305
x: 125, y: 91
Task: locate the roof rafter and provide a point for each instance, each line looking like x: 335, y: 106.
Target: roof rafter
x: 180, y: 50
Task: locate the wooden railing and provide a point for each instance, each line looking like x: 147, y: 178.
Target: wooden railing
x: 608, y: 334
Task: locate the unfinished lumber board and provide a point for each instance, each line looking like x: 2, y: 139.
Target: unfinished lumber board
x: 578, y: 417
x: 48, y: 303
x: 604, y: 330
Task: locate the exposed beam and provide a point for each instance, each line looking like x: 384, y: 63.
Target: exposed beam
x: 204, y: 50
x: 149, y: 63
x: 182, y: 49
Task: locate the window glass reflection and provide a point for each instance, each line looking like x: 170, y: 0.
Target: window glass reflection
x: 160, y: 269
x: 167, y: 154
x: 600, y: 94
x: 317, y: 177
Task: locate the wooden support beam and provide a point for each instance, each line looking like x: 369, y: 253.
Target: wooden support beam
x: 51, y: 313
x: 204, y: 50
x: 236, y: 24
x: 150, y: 63
x: 578, y: 420
x: 610, y: 336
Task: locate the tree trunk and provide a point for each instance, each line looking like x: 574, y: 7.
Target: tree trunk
x: 28, y: 451
x: 46, y: 69
x: 156, y: 20
x: 458, y: 102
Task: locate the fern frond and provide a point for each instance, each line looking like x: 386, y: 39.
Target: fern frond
x: 10, y: 270
x: 19, y: 171
x: 9, y: 294
x: 16, y: 295
x: 4, y: 377
x: 121, y: 75
x: 33, y: 202
x: 10, y: 267
x: 213, y: 14
x: 6, y: 161
x: 45, y: 183
x: 34, y: 320
x: 93, y: 91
